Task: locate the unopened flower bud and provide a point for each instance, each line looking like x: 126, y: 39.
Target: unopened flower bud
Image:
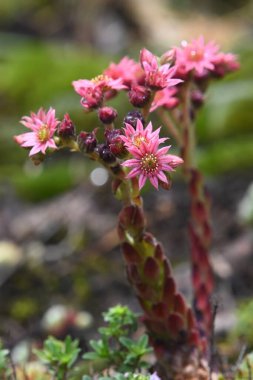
x: 87, y: 141
x: 115, y: 142
x: 117, y: 147
x: 132, y: 117
x: 139, y: 96
x: 106, y: 154
x: 66, y: 129
x: 92, y: 99
x: 110, y: 134
x: 168, y: 57
x: 107, y: 114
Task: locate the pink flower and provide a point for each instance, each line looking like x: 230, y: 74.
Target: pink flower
x: 135, y: 137
x: 164, y: 98
x: 127, y: 70
x: 196, y: 56
x: 92, y: 91
x: 150, y: 162
x: 157, y: 77
x: 225, y: 63
x: 43, y: 126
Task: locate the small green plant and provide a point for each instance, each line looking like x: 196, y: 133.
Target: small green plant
x: 116, y: 347
x: 3, y: 359
x: 59, y: 356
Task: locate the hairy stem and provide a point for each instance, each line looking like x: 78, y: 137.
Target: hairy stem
x: 200, y: 228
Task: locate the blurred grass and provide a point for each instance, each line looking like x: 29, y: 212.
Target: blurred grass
x: 35, y: 74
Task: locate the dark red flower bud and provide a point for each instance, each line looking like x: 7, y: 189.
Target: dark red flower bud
x: 117, y: 147
x: 66, y: 129
x: 107, y: 114
x: 105, y: 153
x: 115, y: 143
x: 93, y: 99
x: 132, y: 117
x: 139, y: 96
x: 87, y: 141
x: 111, y: 134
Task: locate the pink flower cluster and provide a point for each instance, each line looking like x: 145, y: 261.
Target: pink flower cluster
x: 137, y: 78
x: 149, y: 162
x: 43, y: 126
x: 202, y: 59
x: 151, y: 83
x: 195, y: 59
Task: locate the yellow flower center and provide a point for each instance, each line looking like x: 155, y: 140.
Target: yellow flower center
x: 196, y: 55
x: 138, y: 140
x: 149, y: 163
x: 100, y: 78
x: 44, y: 133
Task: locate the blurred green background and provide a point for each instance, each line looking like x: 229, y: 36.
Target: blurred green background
x: 47, y: 44
x: 44, y: 46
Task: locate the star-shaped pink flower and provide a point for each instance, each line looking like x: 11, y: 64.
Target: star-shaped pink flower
x: 196, y: 56
x: 149, y: 162
x: 133, y: 138
x: 157, y: 77
x: 43, y: 125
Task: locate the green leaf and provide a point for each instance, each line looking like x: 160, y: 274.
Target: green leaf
x: 90, y: 356
x: 126, y: 342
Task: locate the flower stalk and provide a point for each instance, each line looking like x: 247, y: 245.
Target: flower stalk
x: 199, y: 227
